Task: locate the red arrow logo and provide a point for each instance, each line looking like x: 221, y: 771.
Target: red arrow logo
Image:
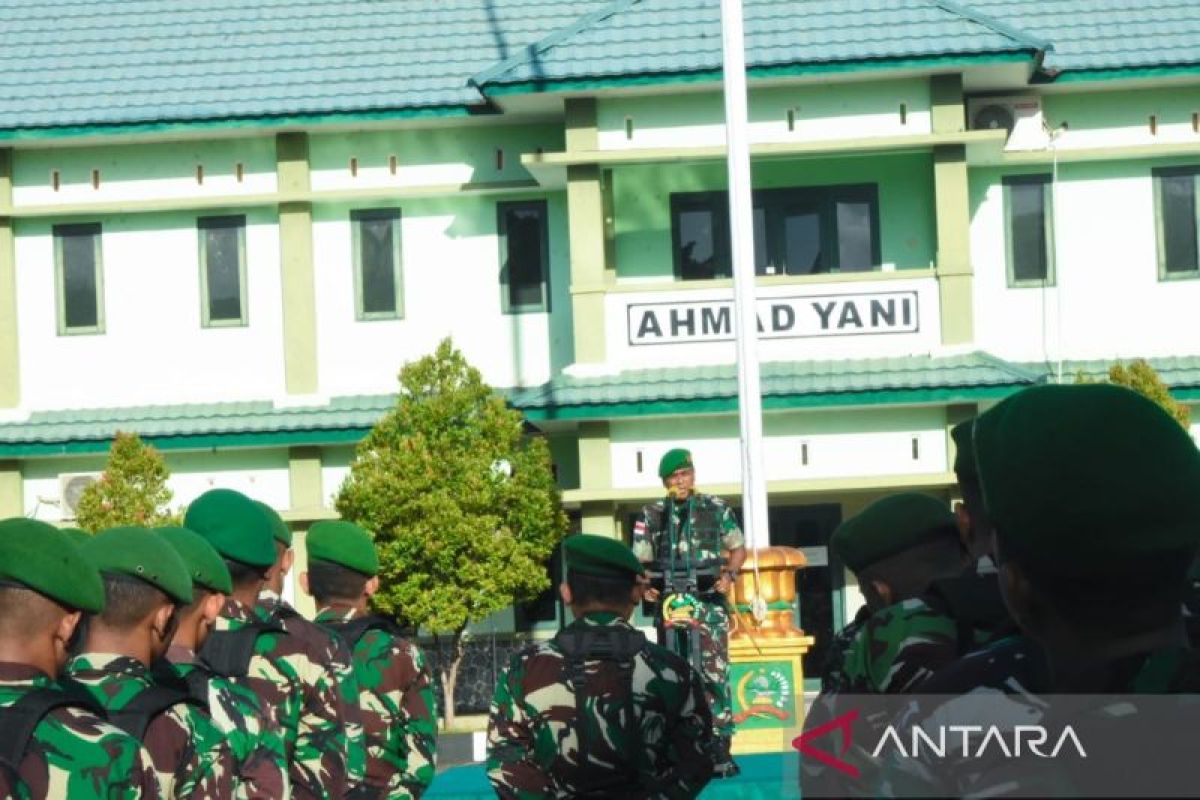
x: 845, y: 722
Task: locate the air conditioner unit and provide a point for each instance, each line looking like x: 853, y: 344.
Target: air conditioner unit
x: 1020, y: 116
x: 70, y: 489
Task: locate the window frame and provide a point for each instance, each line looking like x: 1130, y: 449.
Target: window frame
x: 395, y: 216
x: 96, y: 231
x: 1192, y: 171
x: 204, y: 224
x: 774, y: 203
x: 502, y: 209
x: 1046, y: 180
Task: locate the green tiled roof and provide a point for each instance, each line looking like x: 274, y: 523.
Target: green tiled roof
x: 122, y: 62
x: 661, y: 37
x: 802, y: 384
x: 1181, y: 373
x: 1106, y: 34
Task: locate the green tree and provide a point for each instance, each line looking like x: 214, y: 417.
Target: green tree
x: 1139, y: 376
x: 131, y: 491
x: 463, y: 504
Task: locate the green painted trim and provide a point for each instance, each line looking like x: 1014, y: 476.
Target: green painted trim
x: 304, y: 478
x: 97, y: 234
x: 1117, y: 73
x: 203, y: 224
x: 208, y: 441
x: 260, y: 122
x: 357, y: 217
x: 298, y: 279
x: 585, y: 228
x: 12, y: 490
x: 720, y: 405
x: 773, y: 71
x: 595, y: 456
x: 774, y: 605
x: 10, y: 350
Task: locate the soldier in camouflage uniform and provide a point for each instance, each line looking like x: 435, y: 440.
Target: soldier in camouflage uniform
x: 272, y: 608
x: 396, y: 697
x: 45, y: 585
x: 303, y: 690
x: 144, y: 583
x: 598, y: 711
x: 1093, y: 496
x: 250, y: 727
x: 684, y: 534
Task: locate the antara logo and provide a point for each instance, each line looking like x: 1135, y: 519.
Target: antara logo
x: 973, y: 741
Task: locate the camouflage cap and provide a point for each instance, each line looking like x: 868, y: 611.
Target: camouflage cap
x: 673, y: 460
x: 202, y: 560
x: 43, y: 558
x: 889, y: 526
x: 138, y: 553
x: 963, y: 435
x: 77, y: 535
x: 344, y: 543
x: 234, y: 525
x: 279, y: 528
x: 1077, y: 479
x: 600, y: 555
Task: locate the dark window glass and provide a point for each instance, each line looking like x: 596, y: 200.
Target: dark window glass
x: 377, y: 264
x: 701, y: 254
x: 856, y: 239
x: 544, y: 607
x: 763, y: 265
x: 1178, y: 208
x: 1027, y: 229
x: 223, y: 266
x: 77, y: 246
x: 523, y: 254
x: 802, y: 240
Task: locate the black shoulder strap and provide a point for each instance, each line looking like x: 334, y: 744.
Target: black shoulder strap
x: 20, y: 720
x: 975, y: 604
x: 353, y: 630
x: 136, y: 715
x: 228, y: 653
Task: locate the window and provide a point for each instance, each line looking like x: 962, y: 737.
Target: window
x: 378, y: 288
x: 544, y: 607
x: 1029, y: 228
x: 524, y: 256
x: 78, y: 278
x: 1178, y: 240
x: 222, y: 270
x: 797, y: 231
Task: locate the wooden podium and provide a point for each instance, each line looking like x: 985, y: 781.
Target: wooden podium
x: 766, y: 675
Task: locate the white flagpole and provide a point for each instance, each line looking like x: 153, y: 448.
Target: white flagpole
x: 741, y: 228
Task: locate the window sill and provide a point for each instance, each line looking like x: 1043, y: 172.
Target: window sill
x: 1171, y: 277
x: 676, y: 285
x: 378, y: 317
x: 520, y: 310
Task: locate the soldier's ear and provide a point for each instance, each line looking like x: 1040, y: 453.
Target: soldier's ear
x: 372, y: 586
x: 304, y: 582
x: 883, y: 591
x: 62, y: 636
x: 564, y: 591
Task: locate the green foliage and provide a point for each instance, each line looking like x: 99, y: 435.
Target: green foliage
x: 132, y: 491
x: 459, y: 536
x: 1139, y: 376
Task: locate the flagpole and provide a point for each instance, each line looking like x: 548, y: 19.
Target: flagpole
x: 741, y: 228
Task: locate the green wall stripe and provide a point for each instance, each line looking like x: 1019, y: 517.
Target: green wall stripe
x: 208, y: 441
x: 1117, y: 74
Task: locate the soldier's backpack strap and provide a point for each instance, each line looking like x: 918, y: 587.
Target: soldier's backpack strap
x: 228, y: 653
x: 580, y: 644
x: 135, y: 716
x: 20, y: 720
x: 355, y: 629
x: 975, y: 604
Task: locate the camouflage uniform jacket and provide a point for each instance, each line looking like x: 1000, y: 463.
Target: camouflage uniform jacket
x: 304, y: 691
x: 249, y: 726
x: 706, y: 524
x: 73, y: 753
x: 534, y: 729
x: 189, y: 754
x: 835, y: 656
x: 399, y: 710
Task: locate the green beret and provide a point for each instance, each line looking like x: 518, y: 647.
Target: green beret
x: 203, y: 562
x: 343, y: 543
x: 1078, y: 479
x: 138, y: 553
x: 77, y: 535
x: 279, y: 528
x: 600, y: 555
x: 890, y: 526
x: 673, y: 460
x: 964, y: 450
x: 234, y: 525
x: 43, y: 558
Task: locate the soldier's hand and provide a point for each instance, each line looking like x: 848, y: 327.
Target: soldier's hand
x: 724, y: 584
x: 651, y: 594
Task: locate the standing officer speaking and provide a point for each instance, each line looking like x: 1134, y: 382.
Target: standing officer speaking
x: 681, y: 538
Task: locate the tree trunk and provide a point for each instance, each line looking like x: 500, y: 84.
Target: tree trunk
x: 449, y: 670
